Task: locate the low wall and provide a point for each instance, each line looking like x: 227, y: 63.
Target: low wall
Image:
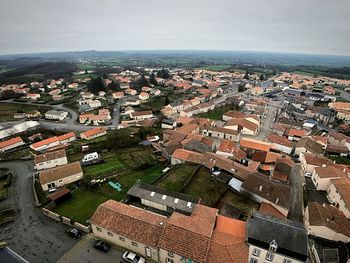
x: 66, y: 220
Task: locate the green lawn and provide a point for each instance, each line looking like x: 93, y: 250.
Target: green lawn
x: 111, y: 164
x: 216, y: 114
x: 177, y: 177
x: 239, y: 201
x: 340, y: 159
x: 81, y: 206
x: 8, y: 109
x: 206, y: 187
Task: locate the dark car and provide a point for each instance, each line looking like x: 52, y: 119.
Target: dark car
x: 102, y: 246
x: 75, y: 233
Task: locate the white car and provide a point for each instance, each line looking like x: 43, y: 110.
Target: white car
x: 308, y: 174
x: 133, y: 258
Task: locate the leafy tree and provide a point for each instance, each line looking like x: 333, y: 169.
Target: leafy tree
x: 9, y: 94
x: 152, y: 79
x: 114, y: 85
x: 95, y: 85
x: 246, y: 76
x: 140, y: 82
x: 163, y: 73
x: 241, y: 88
x: 262, y: 77
x: 166, y: 102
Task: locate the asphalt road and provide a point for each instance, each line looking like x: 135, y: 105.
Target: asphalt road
x: 85, y: 252
x: 296, y: 183
x: 32, y: 235
x: 267, y: 123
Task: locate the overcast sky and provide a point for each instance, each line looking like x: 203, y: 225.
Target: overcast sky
x: 304, y: 26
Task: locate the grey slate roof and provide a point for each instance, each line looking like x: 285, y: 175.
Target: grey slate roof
x: 9, y: 256
x: 291, y: 236
x: 180, y: 202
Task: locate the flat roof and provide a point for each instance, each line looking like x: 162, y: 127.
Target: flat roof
x: 180, y: 202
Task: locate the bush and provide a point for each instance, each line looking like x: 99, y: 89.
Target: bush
x: 8, y: 180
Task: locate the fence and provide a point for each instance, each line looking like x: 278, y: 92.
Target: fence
x: 65, y: 220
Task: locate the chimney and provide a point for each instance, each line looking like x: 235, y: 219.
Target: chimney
x: 260, y: 188
x: 277, y: 199
x: 324, y: 165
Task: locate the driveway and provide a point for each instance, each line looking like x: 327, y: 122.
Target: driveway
x: 32, y: 235
x: 85, y: 252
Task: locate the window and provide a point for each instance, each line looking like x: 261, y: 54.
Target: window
x: 134, y: 244
x: 253, y: 260
x: 148, y: 252
x: 122, y: 239
x: 286, y: 260
x: 273, y: 246
x: 171, y: 254
x: 98, y: 229
x: 110, y: 234
x: 269, y: 256
x: 169, y: 260
x: 256, y: 252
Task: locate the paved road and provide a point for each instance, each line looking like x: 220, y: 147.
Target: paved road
x: 32, y: 235
x: 84, y: 252
x: 297, y: 206
x: 266, y: 125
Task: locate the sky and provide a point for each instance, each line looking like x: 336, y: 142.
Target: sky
x: 300, y: 26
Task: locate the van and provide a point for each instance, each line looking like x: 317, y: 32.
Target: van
x: 90, y: 157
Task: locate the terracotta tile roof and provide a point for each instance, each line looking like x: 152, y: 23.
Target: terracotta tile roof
x: 269, y: 209
x: 141, y: 113
x: 93, y: 131
x: 222, y: 130
x: 188, y: 156
x: 274, y: 138
x: 271, y: 190
x: 296, y: 133
x: 59, y: 172
x: 208, y: 141
x: 188, y: 128
x: 184, y: 120
x: 329, y: 172
x: 228, y: 241
x: 49, y: 156
x: 328, y: 216
x: 242, y: 123
x: 343, y: 187
x: 63, y: 191
x: 320, y: 139
x: 66, y: 136
x: 280, y: 176
x: 316, y: 160
x: 266, y: 157
x: 238, y: 154
x: 226, y: 146
x: 189, y: 236
x: 45, y: 142
x: 332, y: 148
x: 211, y: 160
x: 128, y: 221
x: 309, y: 145
x: 339, y: 136
x: 253, y: 165
x: 255, y: 144
x: 10, y: 142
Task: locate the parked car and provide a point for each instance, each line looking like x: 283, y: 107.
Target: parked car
x: 133, y: 258
x: 75, y: 233
x: 102, y: 246
x: 308, y: 174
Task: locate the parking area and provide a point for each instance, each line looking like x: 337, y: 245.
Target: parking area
x: 83, y: 251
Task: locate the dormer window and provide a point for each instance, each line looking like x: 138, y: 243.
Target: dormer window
x: 273, y: 246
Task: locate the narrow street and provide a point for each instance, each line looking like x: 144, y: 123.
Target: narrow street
x: 32, y: 235
x: 296, y: 183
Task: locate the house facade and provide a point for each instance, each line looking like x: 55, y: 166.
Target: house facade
x: 338, y: 194
x: 50, y: 160
x: 60, y: 176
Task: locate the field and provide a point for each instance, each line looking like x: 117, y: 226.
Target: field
x: 216, y: 67
x: 8, y: 109
x: 136, y: 157
x: 110, y: 165
x: 206, y: 187
x: 81, y: 206
x: 83, y: 76
x: 177, y: 177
